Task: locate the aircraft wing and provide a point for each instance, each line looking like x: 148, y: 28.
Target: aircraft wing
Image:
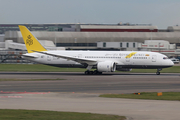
x: 80, y: 60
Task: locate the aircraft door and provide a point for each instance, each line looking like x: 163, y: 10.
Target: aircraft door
x: 127, y: 59
x: 154, y: 58
x: 79, y: 56
x: 48, y: 58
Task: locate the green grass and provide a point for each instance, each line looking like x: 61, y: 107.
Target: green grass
x: 29, y: 79
x: 146, y: 95
x: 36, y: 68
x: 52, y: 115
x: 45, y: 68
x: 174, y: 69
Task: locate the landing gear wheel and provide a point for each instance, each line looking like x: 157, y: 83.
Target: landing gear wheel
x: 99, y: 73
x: 157, y: 73
x: 95, y: 72
x: 90, y: 72
x: 86, y: 72
x: 159, y: 69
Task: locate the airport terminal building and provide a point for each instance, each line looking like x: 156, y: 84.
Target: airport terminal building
x: 86, y: 36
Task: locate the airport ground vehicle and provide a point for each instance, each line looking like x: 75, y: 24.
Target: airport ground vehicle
x: 174, y: 60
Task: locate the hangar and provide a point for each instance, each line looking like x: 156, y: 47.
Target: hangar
x: 86, y: 36
x: 88, y: 40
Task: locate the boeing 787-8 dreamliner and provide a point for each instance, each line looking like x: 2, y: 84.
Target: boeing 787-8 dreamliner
x: 103, y: 61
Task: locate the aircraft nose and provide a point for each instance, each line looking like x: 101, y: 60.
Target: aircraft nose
x: 171, y: 63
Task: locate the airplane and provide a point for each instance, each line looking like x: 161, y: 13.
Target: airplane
x: 102, y: 61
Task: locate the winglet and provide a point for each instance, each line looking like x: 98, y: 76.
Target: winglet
x: 31, y: 42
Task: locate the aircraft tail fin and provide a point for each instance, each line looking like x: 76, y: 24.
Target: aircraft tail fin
x: 31, y: 42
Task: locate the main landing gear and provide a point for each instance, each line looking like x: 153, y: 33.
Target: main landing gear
x: 92, y: 72
x: 88, y: 72
x: 158, y: 73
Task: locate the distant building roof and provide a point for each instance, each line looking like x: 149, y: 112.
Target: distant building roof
x: 173, y: 28
x: 116, y: 27
x: 93, y: 37
x: 155, y: 41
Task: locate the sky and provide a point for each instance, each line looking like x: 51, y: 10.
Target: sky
x: 161, y: 13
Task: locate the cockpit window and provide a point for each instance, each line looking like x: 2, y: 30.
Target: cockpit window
x: 165, y: 58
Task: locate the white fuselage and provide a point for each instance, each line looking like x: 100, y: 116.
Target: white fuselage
x: 123, y: 59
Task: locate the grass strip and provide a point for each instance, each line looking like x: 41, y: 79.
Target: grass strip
x: 53, y: 115
x: 45, y: 68
x: 29, y: 79
x: 146, y: 95
x: 36, y: 68
x: 174, y: 69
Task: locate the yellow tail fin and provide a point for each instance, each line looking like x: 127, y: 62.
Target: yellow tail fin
x: 31, y: 42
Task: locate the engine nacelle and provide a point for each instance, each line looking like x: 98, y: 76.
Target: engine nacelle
x: 106, y: 66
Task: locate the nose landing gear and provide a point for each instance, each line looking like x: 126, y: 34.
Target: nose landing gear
x: 158, y: 73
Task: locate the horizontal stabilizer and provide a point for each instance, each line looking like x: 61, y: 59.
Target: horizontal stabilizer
x: 30, y: 55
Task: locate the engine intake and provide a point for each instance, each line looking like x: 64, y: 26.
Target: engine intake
x: 106, y: 66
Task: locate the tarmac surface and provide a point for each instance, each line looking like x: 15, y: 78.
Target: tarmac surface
x: 79, y: 93
x: 78, y: 82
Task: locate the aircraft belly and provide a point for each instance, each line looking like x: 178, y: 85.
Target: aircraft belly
x: 143, y: 66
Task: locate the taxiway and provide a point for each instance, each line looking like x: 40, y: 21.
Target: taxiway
x: 79, y: 93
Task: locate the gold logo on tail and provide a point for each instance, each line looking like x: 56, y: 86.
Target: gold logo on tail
x: 29, y: 41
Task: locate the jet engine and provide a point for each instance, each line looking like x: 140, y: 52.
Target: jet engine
x: 106, y: 66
